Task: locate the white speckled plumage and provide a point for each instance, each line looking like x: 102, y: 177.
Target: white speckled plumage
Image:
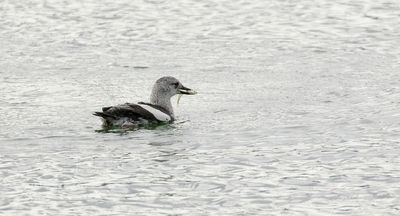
x: 159, y: 115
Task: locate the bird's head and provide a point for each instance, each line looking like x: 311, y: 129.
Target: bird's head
x: 169, y: 86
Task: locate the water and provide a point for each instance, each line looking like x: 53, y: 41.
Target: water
x: 297, y: 111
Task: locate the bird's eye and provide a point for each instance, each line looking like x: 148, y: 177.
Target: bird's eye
x: 176, y: 84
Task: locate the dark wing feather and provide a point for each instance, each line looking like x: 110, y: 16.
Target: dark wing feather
x: 127, y: 110
x: 106, y: 108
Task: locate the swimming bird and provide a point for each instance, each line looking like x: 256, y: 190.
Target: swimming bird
x: 157, y: 111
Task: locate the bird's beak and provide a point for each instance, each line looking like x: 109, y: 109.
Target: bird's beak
x: 187, y: 91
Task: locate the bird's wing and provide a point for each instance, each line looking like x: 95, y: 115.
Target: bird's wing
x: 129, y: 110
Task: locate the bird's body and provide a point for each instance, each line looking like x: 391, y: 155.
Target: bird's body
x: 159, y: 110
x: 130, y: 114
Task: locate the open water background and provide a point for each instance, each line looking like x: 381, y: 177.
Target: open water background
x: 297, y: 111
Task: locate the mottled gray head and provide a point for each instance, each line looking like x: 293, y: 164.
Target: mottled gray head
x: 169, y: 86
x: 164, y: 89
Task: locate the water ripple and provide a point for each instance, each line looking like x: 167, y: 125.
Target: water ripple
x: 297, y: 111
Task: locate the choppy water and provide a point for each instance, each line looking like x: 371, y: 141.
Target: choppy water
x: 297, y: 111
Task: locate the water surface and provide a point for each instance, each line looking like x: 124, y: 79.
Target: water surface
x: 297, y: 111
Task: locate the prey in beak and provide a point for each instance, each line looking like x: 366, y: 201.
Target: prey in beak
x: 186, y: 91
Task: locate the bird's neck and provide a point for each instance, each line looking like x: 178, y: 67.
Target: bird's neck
x: 162, y: 101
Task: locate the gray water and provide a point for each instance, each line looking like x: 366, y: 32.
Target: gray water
x: 297, y: 111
